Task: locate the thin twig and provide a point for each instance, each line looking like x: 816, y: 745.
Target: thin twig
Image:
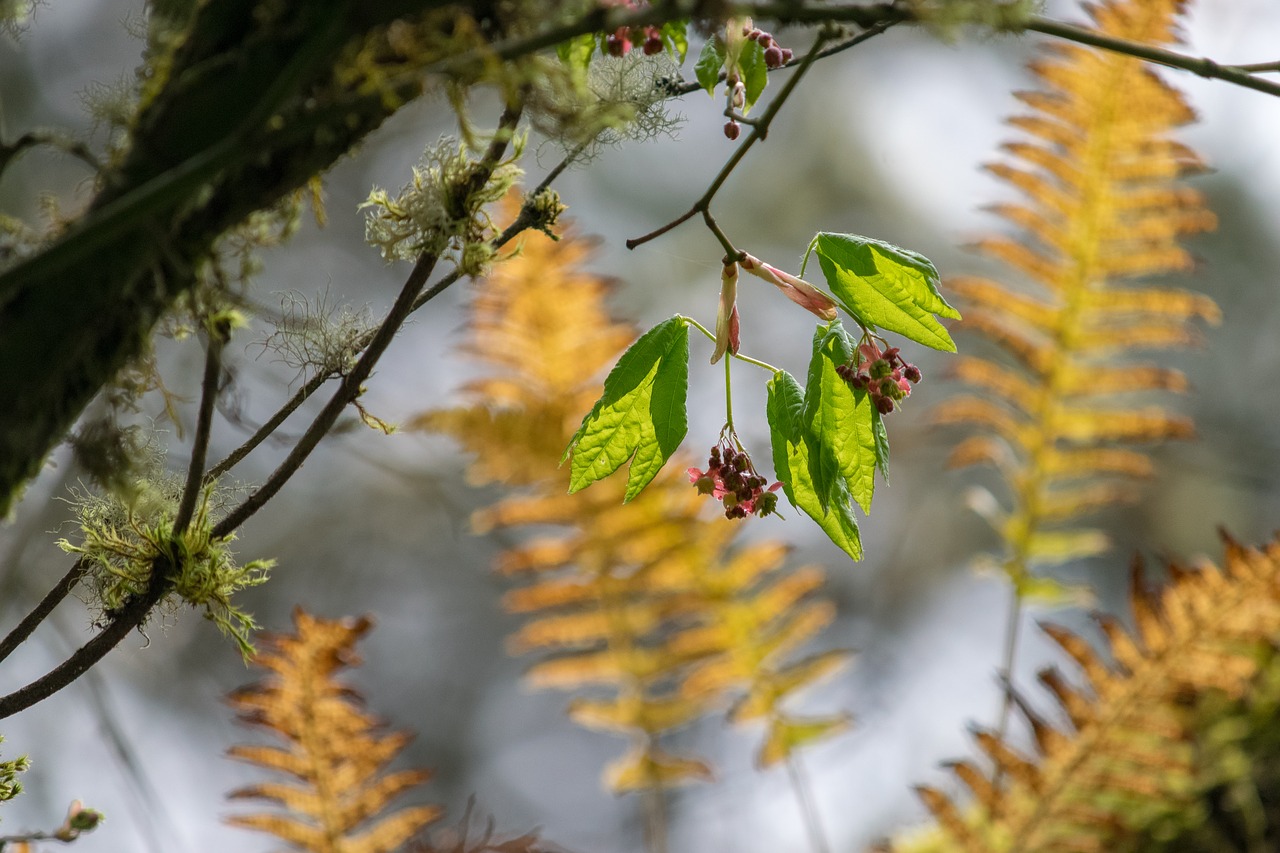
x: 64, y: 142
x: 759, y: 132
x: 352, y: 383
x: 1257, y: 68
x: 522, y: 222
x: 42, y: 610
x: 1204, y: 67
x: 136, y: 609
x: 875, y: 30
x: 265, y: 431
x: 204, y: 424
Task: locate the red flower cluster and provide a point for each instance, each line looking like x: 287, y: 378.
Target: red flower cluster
x: 884, y: 375
x: 775, y: 55
x: 620, y: 41
x: 731, y: 479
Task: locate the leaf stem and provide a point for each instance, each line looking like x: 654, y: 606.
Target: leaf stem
x: 728, y: 395
x: 739, y: 356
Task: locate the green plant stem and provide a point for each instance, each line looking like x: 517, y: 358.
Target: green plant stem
x: 808, y: 808
x: 759, y: 132
x: 739, y: 356
x: 728, y: 394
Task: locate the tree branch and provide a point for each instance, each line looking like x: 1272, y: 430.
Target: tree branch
x: 759, y: 131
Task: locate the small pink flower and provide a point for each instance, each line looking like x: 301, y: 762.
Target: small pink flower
x: 796, y: 289
x: 883, y: 375
x: 731, y: 479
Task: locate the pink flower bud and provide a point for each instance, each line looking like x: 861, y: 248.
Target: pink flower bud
x: 732, y: 129
x: 796, y: 289
x: 727, y: 315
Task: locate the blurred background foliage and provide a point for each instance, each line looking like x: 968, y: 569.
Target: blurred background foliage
x: 884, y: 141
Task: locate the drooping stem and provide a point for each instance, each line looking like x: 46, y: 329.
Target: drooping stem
x: 739, y: 356
x: 728, y: 394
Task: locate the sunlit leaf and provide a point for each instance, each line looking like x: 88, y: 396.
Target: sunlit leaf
x: 641, y: 416
x: 827, y: 503
x: 839, y: 420
x: 884, y: 286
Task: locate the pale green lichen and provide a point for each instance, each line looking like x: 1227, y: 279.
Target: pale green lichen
x: 617, y: 99
x: 434, y: 214
x: 316, y: 338
x: 123, y: 544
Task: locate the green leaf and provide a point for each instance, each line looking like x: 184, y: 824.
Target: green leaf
x: 826, y: 503
x: 839, y: 419
x: 710, y: 61
x: 882, y: 443
x: 754, y: 73
x: 641, y: 416
x: 576, y: 52
x: 885, y: 286
x: 675, y: 37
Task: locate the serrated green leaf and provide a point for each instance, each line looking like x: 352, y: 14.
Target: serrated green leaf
x: 882, y: 443
x: 641, y: 417
x: 577, y: 51
x: 675, y: 37
x: 830, y: 508
x: 838, y: 419
x: 885, y: 286
x: 754, y: 73
x: 710, y: 61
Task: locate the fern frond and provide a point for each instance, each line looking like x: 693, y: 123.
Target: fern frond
x: 617, y: 597
x: 1102, y: 216
x: 1128, y: 758
x: 334, y: 752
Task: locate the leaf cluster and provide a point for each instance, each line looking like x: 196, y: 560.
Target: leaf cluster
x: 649, y: 602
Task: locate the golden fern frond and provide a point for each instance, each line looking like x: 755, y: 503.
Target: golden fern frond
x: 1124, y: 761
x: 1103, y: 208
x: 614, y: 594
x: 334, y: 751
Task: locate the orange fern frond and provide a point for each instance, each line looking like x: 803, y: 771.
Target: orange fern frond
x: 334, y: 751
x: 614, y: 594
x: 1124, y: 759
x: 1103, y: 213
